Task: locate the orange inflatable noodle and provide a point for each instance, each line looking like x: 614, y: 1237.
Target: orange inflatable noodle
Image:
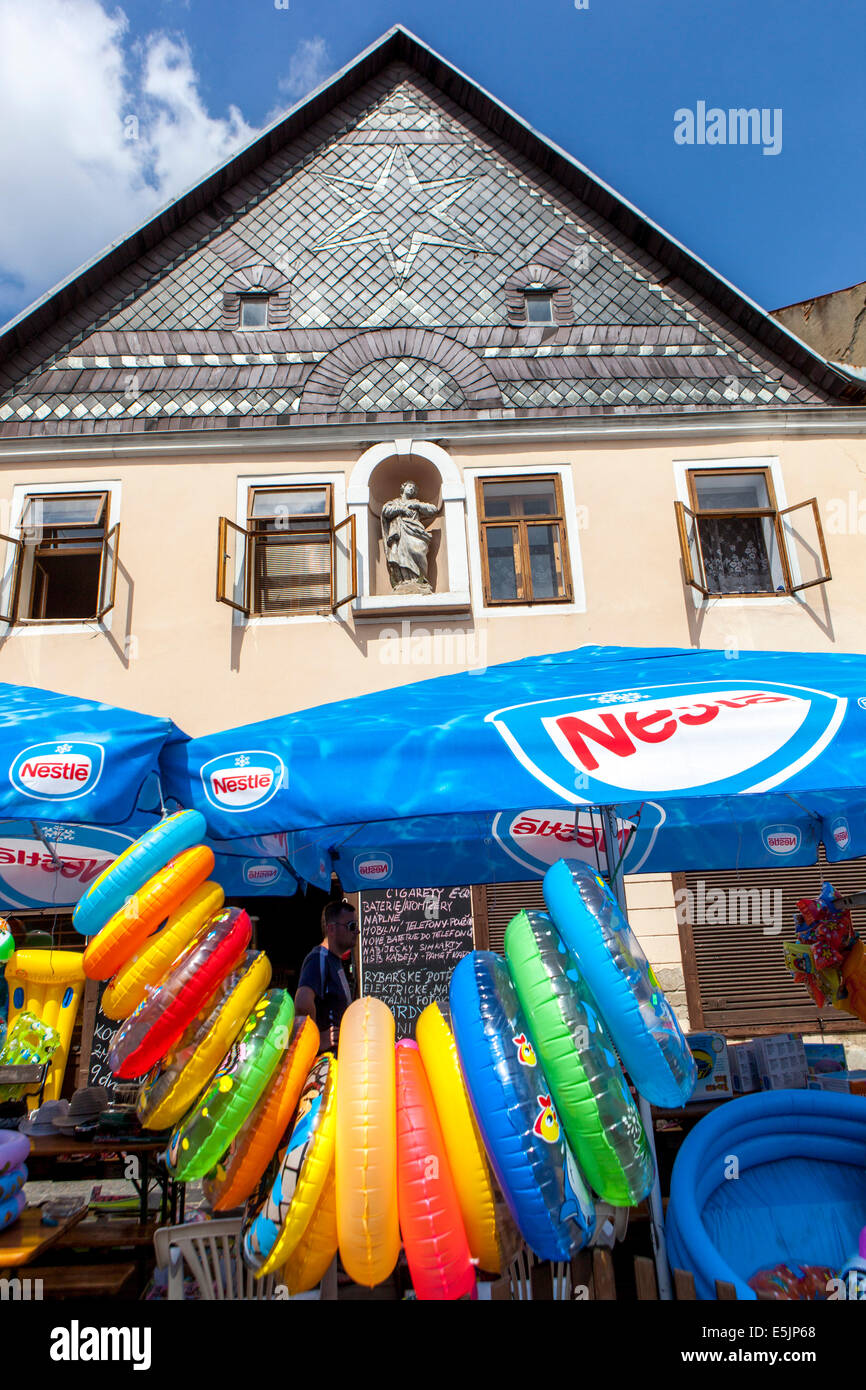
x: 434, y: 1236
x: 123, y: 933
x: 149, y: 968
x: 239, y: 1172
x: 366, y: 1150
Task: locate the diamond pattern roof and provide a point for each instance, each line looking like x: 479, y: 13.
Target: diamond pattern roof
x: 404, y: 215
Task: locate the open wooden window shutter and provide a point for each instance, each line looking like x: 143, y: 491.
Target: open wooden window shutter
x: 736, y: 980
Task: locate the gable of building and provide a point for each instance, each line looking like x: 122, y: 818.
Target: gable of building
x: 396, y: 225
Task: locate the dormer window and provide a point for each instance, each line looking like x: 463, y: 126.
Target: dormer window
x: 254, y: 311
x: 539, y: 305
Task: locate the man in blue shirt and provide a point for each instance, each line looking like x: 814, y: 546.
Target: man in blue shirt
x: 324, y: 992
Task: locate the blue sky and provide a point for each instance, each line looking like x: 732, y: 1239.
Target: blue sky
x: 604, y: 82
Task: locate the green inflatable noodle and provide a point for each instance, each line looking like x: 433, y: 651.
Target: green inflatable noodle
x: 593, y: 1102
x: 203, y: 1136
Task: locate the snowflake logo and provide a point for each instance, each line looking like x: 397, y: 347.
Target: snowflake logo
x: 64, y: 747
x: 57, y: 832
x: 619, y: 697
x: 242, y: 761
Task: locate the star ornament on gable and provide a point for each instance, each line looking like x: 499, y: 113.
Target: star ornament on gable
x: 400, y: 212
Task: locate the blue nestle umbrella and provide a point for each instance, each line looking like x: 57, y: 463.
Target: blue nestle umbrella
x: 68, y: 759
x: 708, y: 761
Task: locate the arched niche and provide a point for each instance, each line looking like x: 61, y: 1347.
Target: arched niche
x: 375, y: 479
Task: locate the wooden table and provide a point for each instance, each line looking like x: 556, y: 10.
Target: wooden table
x: 46, y: 1147
x: 28, y: 1237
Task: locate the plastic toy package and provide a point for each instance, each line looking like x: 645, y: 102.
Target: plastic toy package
x: 827, y: 956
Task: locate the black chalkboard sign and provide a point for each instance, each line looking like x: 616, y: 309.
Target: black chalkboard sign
x: 97, y: 1035
x: 411, y: 940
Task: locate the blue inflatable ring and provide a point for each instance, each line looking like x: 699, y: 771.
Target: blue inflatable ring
x: 131, y: 870
x: 641, y: 1021
x: 11, y: 1209
x: 539, y: 1177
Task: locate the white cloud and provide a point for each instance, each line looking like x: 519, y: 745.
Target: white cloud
x: 307, y: 68
x: 73, y: 90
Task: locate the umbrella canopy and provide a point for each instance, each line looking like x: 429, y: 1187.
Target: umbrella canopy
x: 74, y: 760
x: 709, y: 762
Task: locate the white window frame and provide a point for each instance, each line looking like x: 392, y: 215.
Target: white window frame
x: 337, y: 482
x: 572, y: 531
x: 20, y: 492
x: 682, y: 467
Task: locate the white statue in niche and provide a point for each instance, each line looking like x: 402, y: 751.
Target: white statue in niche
x: 407, y: 541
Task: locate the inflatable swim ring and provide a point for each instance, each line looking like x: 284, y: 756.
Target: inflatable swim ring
x: 201, y: 1139
x: 11, y: 1209
x: 12, y: 1182
x: 260, y: 1135
x: 148, y: 968
x: 366, y: 1154
x: 641, y: 1021
x: 142, y: 913
x: 463, y: 1145
x: 434, y: 1236
x: 168, y: 1093
x: 512, y: 1101
x: 48, y: 985
x: 306, y: 1164
x: 131, y: 869
x: 157, y: 1024
x: 14, y: 1149
x: 593, y: 1102
x: 317, y: 1247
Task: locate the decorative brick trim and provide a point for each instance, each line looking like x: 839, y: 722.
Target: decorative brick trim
x: 324, y: 385
x: 536, y: 273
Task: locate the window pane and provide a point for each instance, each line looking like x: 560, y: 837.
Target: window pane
x: 65, y: 586
x: 739, y: 555
x: 731, y: 491
x: 539, y: 308
x: 83, y: 510
x: 291, y: 509
x: 254, y: 311
x: 503, y: 565
x: 292, y: 576
x: 545, y: 560
x: 521, y: 497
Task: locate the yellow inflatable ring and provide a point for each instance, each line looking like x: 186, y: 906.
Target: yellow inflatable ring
x: 128, y: 987
x: 317, y: 1247
x: 366, y: 1154
x: 306, y: 1162
x: 463, y: 1145
x: 171, y: 1090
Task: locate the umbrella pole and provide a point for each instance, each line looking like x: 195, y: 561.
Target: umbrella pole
x: 657, y: 1220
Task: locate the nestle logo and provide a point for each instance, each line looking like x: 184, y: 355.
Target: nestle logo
x: 57, y: 771
x: 782, y: 839
x: 842, y: 833
x: 261, y: 873
x: 373, y: 867
x: 713, y: 736
x: 243, y: 781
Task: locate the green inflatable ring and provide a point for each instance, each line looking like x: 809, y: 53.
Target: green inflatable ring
x: 593, y: 1102
x: 204, y: 1134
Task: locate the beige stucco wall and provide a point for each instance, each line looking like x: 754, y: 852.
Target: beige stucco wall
x: 173, y: 649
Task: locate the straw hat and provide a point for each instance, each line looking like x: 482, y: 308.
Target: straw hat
x: 85, y: 1108
x: 41, y: 1121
